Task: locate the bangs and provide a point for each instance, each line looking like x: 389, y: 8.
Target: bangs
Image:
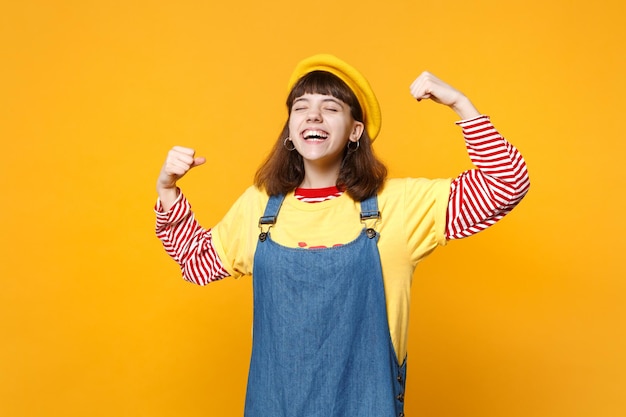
x: 323, y: 82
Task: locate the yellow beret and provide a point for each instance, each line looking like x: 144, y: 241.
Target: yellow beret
x: 349, y: 75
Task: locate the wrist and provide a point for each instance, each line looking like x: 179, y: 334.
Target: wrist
x: 464, y: 108
x: 167, y: 196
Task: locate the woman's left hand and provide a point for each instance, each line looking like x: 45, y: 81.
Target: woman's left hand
x: 427, y: 86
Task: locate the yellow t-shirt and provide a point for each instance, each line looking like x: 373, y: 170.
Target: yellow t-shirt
x: 412, y: 225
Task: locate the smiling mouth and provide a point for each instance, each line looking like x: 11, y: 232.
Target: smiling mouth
x: 314, y: 135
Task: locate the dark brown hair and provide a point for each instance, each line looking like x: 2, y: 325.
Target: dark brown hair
x: 361, y: 175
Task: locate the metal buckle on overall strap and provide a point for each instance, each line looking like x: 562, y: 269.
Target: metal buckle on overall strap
x: 269, y: 216
x: 268, y: 222
x: 368, y: 216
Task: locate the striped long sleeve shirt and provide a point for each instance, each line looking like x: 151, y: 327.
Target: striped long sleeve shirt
x: 478, y: 199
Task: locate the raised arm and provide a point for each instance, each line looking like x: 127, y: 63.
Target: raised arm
x: 482, y: 196
x: 190, y: 245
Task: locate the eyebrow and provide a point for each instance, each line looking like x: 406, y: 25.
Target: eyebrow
x: 330, y: 99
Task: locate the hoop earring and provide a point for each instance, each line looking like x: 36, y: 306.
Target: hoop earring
x: 352, y: 149
x: 288, y: 139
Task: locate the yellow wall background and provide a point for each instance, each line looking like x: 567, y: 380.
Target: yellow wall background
x: 525, y: 319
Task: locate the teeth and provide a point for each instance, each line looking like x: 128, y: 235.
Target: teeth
x: 315, y: 134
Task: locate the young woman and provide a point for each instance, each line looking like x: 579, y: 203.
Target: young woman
x: 332, y: 244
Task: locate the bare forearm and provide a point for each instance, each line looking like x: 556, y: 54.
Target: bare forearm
x: 464, y: 108
x: 167, y: 197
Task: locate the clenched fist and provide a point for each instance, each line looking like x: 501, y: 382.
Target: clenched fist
x: 178, y: 162
x: 427, y: 86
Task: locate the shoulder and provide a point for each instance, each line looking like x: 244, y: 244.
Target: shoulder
x: 411, y: 188
x: 415, y: 200
x: 246, y: 208
x: 416, y: 209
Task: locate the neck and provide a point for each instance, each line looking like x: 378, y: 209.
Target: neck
x: 316, y: 176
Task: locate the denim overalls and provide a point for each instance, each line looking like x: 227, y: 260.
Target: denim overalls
x: 321, y: 342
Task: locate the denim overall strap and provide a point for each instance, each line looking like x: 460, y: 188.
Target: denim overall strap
x: 269, y: 216
x: 272, y: 209
x: 321, y: 343
x: 369, y: 208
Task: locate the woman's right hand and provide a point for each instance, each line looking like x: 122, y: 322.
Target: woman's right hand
x: 427, y: 86
x: 178, y: 162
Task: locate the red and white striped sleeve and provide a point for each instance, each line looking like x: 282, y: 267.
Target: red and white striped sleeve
x: 480, y: 197
x: 190, y: 245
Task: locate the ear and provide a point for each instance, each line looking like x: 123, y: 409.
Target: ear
x: 357, y: 131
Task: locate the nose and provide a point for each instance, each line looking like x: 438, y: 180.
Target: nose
x: 313, y: 114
